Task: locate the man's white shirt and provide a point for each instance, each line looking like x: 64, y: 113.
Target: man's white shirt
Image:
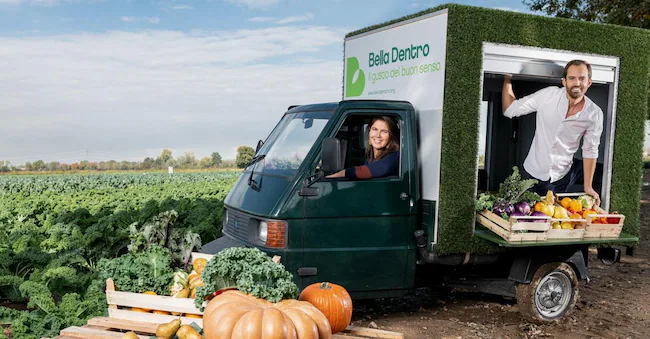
x: 557, y: 139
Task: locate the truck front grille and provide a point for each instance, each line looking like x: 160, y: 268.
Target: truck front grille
x: 237, y: 224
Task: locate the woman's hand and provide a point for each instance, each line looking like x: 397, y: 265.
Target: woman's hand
x: 339, y: 174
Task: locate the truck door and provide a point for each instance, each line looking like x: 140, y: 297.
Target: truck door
x: 359, y: 232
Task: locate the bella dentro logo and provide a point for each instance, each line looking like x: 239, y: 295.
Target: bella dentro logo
x: 354, y: 88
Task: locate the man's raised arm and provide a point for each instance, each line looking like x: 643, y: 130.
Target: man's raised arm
x: 513, y: 107
x: 507, y: 95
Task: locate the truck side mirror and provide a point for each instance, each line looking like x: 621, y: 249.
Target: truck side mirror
x: 333, y: 154
x: 259, y: 145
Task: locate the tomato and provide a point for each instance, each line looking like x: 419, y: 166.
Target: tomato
x: 613, y: 220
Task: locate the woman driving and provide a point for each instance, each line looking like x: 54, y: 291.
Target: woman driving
x: 382, y: 152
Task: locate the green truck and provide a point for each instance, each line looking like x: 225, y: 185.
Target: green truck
x: 438, y: 74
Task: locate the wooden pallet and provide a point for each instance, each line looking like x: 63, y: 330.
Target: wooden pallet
x: 516, y: 229
x: 109, y: 328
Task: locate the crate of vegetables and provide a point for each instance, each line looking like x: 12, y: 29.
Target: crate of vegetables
x: 516, y: 228
x: 567, y: 228
x: 154, y: 307
x: 509, y: 214
x: 597, y: 223
x: 565, y: 223
x: 604, y: 225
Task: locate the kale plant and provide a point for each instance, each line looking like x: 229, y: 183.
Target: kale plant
x: 140, y: 272
x: 160, y: 231
x: 250, y: 271
x: 514, y: 187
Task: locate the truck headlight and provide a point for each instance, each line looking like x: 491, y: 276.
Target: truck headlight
x: 273, y: 233
x: 264, y: 231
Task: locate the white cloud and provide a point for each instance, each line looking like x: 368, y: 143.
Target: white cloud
x: 255, y: 4
x: 124, y: 94
x: 260, y: 19
x: 151, y: 20
x: 283, y: 21
x: 182, y: 7
x: 292, y: 19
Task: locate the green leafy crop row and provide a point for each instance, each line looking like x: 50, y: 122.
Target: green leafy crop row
x: 55, y: 230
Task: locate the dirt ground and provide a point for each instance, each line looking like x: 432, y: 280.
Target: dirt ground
x: 614, y: 304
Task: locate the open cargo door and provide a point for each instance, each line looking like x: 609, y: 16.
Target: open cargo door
x: 505, y: 142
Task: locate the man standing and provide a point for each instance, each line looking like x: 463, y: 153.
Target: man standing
x: 564, y: 116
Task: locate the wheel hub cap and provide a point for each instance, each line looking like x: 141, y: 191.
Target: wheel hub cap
x: 553, y: 294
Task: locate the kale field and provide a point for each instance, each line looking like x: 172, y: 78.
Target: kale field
x: 58, y: 232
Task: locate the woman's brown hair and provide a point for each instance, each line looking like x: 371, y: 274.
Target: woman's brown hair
x: 393, y: 139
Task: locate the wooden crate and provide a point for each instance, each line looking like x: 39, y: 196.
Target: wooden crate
x: 110, y: 328
x: 120, y: 303
x: 515, y: 229
x: 574, y: 234
x: 596, y: 230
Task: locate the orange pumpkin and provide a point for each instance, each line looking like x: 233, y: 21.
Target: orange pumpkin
x: 198, y: 316
x: 233, y: 315
x: 331, y: 299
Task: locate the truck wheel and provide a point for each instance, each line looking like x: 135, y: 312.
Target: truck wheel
x: 552, y: 293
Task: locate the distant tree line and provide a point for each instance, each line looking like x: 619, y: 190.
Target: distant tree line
x: 185, y: 161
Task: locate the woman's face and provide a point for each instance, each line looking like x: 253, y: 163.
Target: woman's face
x: 379, y: 135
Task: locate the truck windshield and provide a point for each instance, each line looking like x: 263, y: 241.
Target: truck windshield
x: 291, y: 140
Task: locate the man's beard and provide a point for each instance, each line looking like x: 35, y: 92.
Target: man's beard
x: 575, y: 95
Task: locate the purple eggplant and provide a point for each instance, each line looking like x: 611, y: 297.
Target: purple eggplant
x: 538, y: 214
x: 517, y: 214
x: 502, y: 207
x: 523, y: 207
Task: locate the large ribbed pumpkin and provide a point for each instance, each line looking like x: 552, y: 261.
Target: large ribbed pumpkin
x: 331, y: 299
x: 235, y: 315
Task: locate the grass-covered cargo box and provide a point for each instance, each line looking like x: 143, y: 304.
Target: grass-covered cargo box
x: 471, y: 96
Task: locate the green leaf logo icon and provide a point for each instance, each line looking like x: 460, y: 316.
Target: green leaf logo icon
x: 354, y: 87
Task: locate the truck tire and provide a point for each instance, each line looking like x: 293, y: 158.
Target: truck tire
x: 551, y: 294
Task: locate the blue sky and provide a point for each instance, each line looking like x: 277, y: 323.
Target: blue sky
x: 74, y: 16
x: 100, y: 80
